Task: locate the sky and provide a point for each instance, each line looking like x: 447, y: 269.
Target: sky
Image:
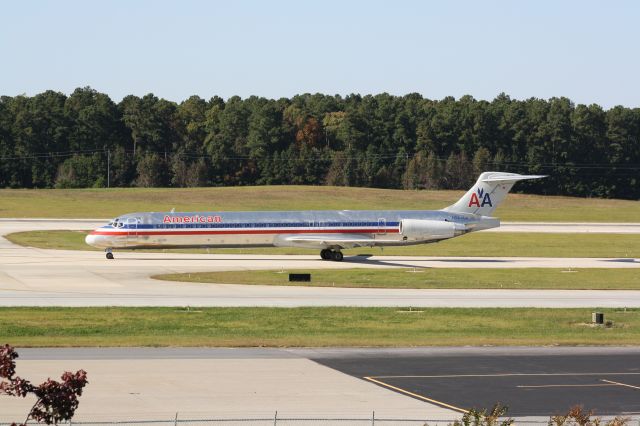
x: 585, y: 50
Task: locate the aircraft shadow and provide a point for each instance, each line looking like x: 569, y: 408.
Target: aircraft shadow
x: 164, y: 259
x: 359, y: 259
x: 623, y: 260
x: 366, y: 259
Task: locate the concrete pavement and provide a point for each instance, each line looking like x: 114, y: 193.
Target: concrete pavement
x: 156, y: 389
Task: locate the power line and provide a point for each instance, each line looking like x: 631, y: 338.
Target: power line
x: 51, y: 154
x: 381, y: 156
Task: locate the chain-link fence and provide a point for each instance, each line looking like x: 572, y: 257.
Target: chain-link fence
x: 277, y: 420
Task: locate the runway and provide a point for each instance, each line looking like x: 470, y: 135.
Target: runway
x: 418, y: 383
x: 36, y: 277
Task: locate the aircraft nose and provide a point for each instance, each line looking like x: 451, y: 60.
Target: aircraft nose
x: 99, y: 241
x: 96, y: 239
x: 90, y: 239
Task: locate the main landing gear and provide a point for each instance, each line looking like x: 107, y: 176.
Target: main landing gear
x: 108, y: 253
x: 335, y: 255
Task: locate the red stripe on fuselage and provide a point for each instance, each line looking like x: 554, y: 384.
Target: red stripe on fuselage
x: 265, y: 231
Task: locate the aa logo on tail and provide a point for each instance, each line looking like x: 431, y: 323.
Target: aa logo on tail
x: 481, y: 195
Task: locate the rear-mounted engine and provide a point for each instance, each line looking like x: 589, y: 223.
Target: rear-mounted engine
x: 428, y: 230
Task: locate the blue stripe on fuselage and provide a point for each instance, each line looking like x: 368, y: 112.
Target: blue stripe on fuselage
x: 260, y: 225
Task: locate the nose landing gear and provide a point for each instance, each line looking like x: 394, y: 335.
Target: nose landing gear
x: 109, y: 254
x: 335, y: 255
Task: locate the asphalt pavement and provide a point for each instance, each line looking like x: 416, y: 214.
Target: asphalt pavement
x: 529, y: 383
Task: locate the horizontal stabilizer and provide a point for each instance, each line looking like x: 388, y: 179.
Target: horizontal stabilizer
x: 510, y: 177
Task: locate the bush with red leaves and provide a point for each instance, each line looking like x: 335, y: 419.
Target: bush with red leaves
x: 57, y: 401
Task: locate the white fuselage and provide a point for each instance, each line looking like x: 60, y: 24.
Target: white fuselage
x: 312, y: 229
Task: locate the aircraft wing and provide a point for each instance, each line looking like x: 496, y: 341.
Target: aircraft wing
x: 330, y: 241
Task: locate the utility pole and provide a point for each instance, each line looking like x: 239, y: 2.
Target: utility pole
x: 406, y: 170
x: 108, y: 168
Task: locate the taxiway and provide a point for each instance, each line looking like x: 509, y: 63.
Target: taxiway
x: 38, y: 277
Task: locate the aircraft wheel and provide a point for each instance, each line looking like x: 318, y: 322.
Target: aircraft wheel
x: 109, y: 255
x: 337, y: 256
x: 325, y: 254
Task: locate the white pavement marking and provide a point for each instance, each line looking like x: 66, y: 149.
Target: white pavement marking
x: 620, y: 384
x: 465, y: 376
x: 565, y: 386
x: 37, y: 277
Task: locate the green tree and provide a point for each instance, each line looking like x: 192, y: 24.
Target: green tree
x: 481, y: 161
x: 378, y: 140
x: 82, y: 171
x: 40, y: 131
x: 152, y: 123
x: 265, y: 132
x: 151, y: 171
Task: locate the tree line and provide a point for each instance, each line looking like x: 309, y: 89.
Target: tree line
x: 51, y: 140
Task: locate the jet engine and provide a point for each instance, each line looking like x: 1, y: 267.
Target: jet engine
x: 426, y: 230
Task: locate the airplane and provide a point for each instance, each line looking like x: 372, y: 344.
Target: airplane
x: 329, y: 231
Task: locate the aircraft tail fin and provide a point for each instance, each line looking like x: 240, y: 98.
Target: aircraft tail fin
x: 487, y: 193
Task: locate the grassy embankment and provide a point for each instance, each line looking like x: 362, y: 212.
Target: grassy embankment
x: 312, y: 327
x: 108, y: 203
x: 530, y: 278
x: 479, y: 244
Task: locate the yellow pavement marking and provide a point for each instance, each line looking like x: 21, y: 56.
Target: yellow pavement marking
x: 424, y: 398
x: 621, y: 384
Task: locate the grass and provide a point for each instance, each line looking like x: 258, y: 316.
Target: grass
x: 58, y: 240
x: 107, y: 203
x: 478, y: 244
x: 530, y: 278
x: 296, y: 327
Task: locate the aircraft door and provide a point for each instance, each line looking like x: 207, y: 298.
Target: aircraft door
x: 382, y: 226
x: 132, y: 230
